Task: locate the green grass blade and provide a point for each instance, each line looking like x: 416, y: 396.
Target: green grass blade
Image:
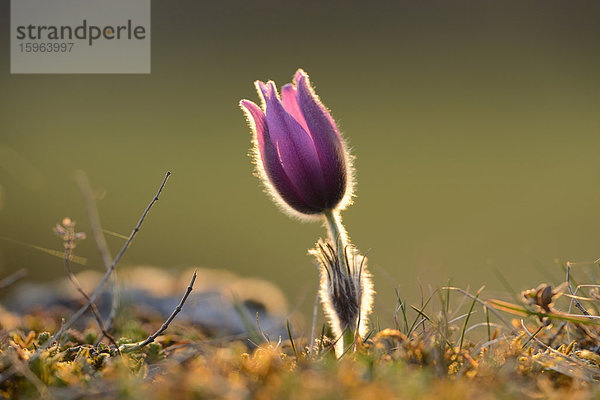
x: 289, y: 331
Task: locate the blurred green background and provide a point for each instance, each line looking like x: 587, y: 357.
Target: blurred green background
x: 475, y: 126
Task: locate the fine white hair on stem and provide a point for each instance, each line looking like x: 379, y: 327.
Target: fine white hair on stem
x: 346, y: 290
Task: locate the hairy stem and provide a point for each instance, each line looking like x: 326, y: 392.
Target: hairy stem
x: 338, y: 236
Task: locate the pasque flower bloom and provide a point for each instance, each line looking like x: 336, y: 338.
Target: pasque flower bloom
x: 302, y: 160
x: 299, y: 150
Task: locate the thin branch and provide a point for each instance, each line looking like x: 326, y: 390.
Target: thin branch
x: 165, y: 325
x: 98, y: 290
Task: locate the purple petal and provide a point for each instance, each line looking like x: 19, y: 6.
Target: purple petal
x: 270, y: 160
x: 326, y: 137
x: 296, y: 150
x: 290, y: 103
x: 259, y: 121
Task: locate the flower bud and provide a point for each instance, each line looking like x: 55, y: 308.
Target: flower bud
x: 299, y: 152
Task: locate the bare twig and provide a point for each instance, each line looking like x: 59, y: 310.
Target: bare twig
x: 12, y: 278
x: 66, y: 325
x: 165, y: 325
x: 98, y: 290
x: 101, y: 245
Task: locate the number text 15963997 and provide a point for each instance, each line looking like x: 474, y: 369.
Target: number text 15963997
x: 34, y: 47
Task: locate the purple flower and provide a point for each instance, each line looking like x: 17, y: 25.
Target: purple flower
x: 299, y: 151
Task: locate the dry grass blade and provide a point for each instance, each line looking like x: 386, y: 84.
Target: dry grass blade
x: 576, y: 368
x: 98, y: 235
x: 93, y: 218
x: 289, y: 331
x: 420, y: 312
x: 531, y: 335
x: 464, y: 329
x: 55, y: 253
x: 485, y: 304
x: 524, y: 312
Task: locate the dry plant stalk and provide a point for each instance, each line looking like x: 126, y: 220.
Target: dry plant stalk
x: 98, y: 235
x: 94, y: 296
x: 66, y: 230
